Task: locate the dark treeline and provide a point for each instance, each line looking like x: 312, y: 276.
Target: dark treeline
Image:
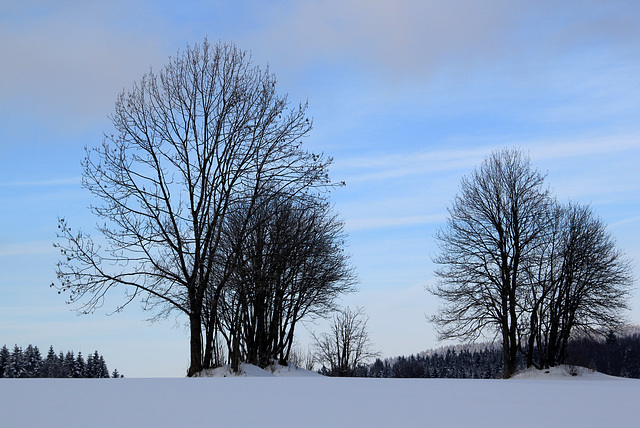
x: 452, y: 362
x: 617, y: 355
x: 29, y: 363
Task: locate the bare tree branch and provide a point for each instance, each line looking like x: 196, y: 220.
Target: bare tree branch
x: 190, y: 143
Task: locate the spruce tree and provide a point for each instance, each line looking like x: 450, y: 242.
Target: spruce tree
x: 68, y: 364
x: 51, y: 365
x: 102, y: 370
x: 4, y: 360
x: 90, y: 369
x: 32, y: 361
x: 16, y: 367
x: 79, y: 367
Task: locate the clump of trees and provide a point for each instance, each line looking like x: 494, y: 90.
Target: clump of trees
x: 291, y: 265
x: 209, y: 206
x: 516, y: 263
x: 29, y: 363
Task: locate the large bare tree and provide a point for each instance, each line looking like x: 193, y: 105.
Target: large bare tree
x: 495, y: 224
x: 191, y: 142
x: 516, y: 263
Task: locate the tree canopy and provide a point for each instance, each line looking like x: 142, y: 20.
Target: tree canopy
x: 516, y: 263
x: 206, y: 138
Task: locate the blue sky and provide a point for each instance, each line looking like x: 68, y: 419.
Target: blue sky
x: 407, y: 96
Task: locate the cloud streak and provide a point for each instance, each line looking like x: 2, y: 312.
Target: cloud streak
x: 386, y: 221
x: 62, y: 65
x: 26, y: 248
x: 414, y: 38
x: 43, y: 183
x: 388, y: 166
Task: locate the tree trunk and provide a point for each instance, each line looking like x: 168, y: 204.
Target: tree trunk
x: 513, y: 335
x: 531, y: 342
x: 506, y: 351
x: 195, y: 320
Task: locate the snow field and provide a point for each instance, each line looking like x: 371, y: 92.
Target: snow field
x: 305, y: 401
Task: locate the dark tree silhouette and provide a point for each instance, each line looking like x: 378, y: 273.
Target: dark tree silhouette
x: 29, y: 363
x: 494, y: 225
x: 291, y: 265
x: 580, y: 283
x: 516, y: 263
x: 191, y: 143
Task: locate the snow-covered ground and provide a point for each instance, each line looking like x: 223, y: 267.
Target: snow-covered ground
x: 248, y: 370
x: 567, y: 372
x: 559, y: 400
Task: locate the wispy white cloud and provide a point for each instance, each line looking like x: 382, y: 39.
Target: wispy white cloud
x: 43, y: 183
x: 396, y: 165
x: 64, y: 63
x: 380, y: 222
x: 27, y: 248
x: 413, y: 38
x: 625, y: 221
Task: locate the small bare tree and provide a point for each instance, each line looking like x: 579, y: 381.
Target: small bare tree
x: 299, y: 358
x: 347, y: 345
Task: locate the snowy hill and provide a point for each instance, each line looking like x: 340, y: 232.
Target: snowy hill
x: 249, y: 370
x: 317, y: 401
x: 562, y: 372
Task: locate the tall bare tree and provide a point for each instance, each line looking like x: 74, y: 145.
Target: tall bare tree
x: 493, y: 229
x: 191, y: 142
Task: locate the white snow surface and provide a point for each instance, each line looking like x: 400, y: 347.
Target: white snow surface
x: 566, y: 372
x: 532, y: 399
x: 249, y: 370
